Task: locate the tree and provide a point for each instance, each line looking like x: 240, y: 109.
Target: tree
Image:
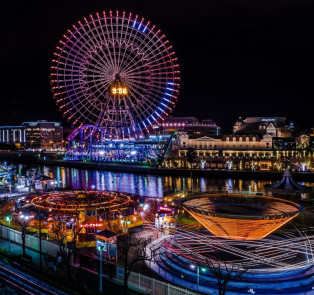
x: 23, y: 221
x: 133, y: 249
x: 191, y: 156
x: 67, y: 241
x: 224, y: 272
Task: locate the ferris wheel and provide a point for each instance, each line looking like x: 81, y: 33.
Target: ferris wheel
x: 117, y: 72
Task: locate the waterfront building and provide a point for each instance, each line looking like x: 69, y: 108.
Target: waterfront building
x: 43, y: 134
x: 273, y: 126
x: 191, y: 126
x: 34, y: 135
x: 12, y: 135
x: 241, y: 152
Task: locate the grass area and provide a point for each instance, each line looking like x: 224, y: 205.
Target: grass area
x: 186, y: 219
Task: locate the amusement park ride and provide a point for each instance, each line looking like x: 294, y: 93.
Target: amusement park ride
x: 115, y: 77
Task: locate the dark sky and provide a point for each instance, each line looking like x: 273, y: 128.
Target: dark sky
x: 237, y: 58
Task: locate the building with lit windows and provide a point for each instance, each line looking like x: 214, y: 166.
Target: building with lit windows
x: 191, y: 126
x: 273, y: 126
x: 34, y: 135
x: 12, y: 135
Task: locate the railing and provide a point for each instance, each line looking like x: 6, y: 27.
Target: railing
x: 152, y: 286
x: 30, y: 241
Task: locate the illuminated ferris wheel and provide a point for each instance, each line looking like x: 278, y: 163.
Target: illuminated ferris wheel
x: 116, y: 72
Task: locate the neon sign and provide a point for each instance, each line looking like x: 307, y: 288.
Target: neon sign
x: 88, y: 225
x: 164, y: 209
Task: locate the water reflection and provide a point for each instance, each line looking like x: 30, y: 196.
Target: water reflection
x: 147, y: 185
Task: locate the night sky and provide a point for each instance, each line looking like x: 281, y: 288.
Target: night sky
x: 237, y: 58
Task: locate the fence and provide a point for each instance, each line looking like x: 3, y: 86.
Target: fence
x: 152, y: 286
x: 30, y: 241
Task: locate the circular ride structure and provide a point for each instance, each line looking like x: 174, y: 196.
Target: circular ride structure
x: 241, y: 217
x: 73, y: 202
x: 235, y: 239
x: 115, y: 73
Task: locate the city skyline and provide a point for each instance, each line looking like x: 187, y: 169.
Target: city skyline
x: 233, y: 62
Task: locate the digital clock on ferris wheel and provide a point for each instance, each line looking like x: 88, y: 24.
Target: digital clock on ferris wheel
x: 119, y: 90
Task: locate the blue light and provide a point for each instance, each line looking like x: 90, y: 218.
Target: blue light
x: 149, y: 121
x: 153, y: 117
x: 139, y: 26
x: 165, y: 99
x: 163, y: 104
x: 169, y: 88
x: 134, y: 24
x: 160, y: 109
x: 170, y: 83
x: 144, y: 29
x: 168, y: 94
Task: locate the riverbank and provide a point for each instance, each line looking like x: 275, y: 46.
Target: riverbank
x: 52, y: 160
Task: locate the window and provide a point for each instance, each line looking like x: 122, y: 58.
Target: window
x: 182, y: 154
x: 201, y: 154
x: 247, y: 139
x: 90, y: 213
x: 227, y: 139
x: 200, y: 146
x: 207, y: 154
x: 227, y: 154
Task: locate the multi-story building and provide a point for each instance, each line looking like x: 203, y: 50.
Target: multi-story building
x: 191, y: 126
x: 12, y: 135
x: 243, y: 151
x: 214, y: 152
x: 37, y: 135
x: 43, y: 134
x: 273, y: 126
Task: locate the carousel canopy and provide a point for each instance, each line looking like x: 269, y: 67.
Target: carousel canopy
x: 287, y: 184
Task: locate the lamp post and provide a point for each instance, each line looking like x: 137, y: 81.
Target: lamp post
x: 198, y: 273
x: 8, y: 219
x: 100, y: 249
x: 39, y: 229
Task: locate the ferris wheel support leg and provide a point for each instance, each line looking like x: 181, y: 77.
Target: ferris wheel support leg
x: 91, y: 143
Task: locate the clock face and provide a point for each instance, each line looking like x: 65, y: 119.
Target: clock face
x: 119, y: 91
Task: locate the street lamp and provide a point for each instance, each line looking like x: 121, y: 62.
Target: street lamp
x: 39, y: 230
x: 100, y: 248
x: 8, y: 219
x: 203, y: 269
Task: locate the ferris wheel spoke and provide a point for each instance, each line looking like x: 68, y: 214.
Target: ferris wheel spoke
x: 97, y: 47
x: 152, y: 63
x: 141, y: 95
x: 104, y: 39
x: 147, y: 48
x: 137, y: 87
x: 109, y: 43
x: 155, y: 88
x: 121, y: 41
